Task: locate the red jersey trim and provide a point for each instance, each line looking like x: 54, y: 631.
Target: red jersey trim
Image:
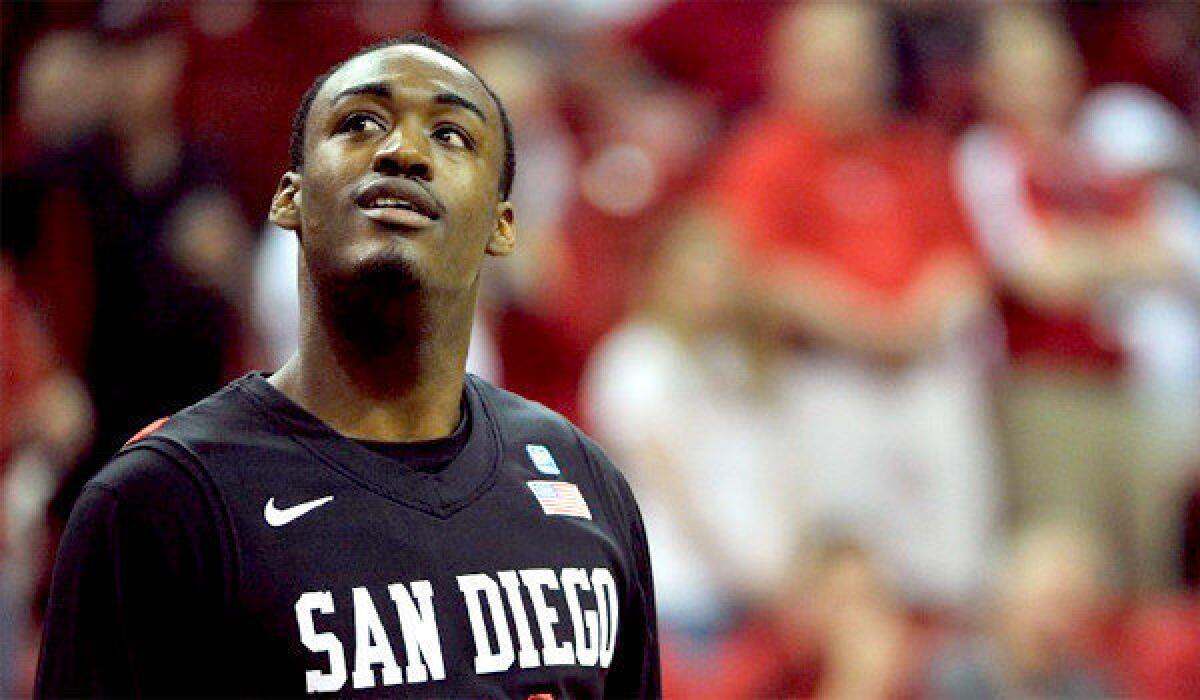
x: 144, y: 432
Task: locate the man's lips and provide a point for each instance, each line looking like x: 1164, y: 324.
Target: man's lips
x: 404, y: 218
x: 398, y: 201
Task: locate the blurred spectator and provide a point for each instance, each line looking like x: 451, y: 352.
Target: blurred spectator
x: 635, y: 163
x: 1048, y: 618
x: 24, y: 24
x: 54, y: 168
x: 1061, y: 233
x: 846, y: 218
x: 1139, y: 137
x: 1136, y: 136
x: 836, y: 630
x: 691, y: 394
x: 60, y: 64
x: 169, y: 257
x: 45, y: 422
x: 166, y: 248
x: 526, y: 76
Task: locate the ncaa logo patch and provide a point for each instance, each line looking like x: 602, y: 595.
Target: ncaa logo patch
x: 542, y: 460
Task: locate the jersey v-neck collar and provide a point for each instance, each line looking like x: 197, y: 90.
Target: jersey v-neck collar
x: 442, y: 493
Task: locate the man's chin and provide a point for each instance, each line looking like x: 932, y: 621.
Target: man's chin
x: 385, y: 273
x: 370, y: 301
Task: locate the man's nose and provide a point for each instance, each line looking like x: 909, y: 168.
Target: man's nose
x: 402, y: 155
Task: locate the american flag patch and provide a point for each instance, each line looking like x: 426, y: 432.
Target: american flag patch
x: 560, y: 498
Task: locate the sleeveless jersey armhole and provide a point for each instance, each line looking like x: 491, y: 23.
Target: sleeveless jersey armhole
x: 190, y: 464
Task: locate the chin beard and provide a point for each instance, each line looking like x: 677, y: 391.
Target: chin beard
x: 373, y: 307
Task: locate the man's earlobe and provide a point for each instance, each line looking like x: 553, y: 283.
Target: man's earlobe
x: 285, y: 205
x: 504, y: 236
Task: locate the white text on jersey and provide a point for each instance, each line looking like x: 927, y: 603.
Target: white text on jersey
x: 493, y: 604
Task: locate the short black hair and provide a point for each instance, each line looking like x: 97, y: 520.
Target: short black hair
x: 300, y: 118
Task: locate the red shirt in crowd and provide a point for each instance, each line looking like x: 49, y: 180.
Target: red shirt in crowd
x: 873, y: 211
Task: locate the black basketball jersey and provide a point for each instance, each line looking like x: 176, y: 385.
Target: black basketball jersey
x: 245, y: 548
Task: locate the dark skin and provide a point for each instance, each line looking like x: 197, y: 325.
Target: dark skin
x: 387, y: 299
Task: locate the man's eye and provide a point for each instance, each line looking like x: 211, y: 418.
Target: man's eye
x: 360, y: 123
x: 453, y: 136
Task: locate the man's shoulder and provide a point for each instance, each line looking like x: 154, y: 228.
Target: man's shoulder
x: 523, y: 421
x: 135, y: 472
x: 514, y: 409
x: 169, y: 450
x: 222, y: 416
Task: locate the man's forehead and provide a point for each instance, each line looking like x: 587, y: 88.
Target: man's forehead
x: 409, y: 66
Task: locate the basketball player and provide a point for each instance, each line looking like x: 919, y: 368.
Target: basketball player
x: 369, y: 521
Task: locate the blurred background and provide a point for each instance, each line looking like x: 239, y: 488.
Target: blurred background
x: 890, y: 312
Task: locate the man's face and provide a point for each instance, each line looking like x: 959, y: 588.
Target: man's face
x: 831, y: 61
x: 1032, y: 76
x: 403, y: 148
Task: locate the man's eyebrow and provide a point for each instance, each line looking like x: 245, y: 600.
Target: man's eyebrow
x: 449, y: 98
x: 382, y: 89
x: 376, y: 89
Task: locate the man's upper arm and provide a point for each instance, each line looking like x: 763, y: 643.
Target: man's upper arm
x: 138, y: 584
x: 635, y: 670
x: 990, y: 188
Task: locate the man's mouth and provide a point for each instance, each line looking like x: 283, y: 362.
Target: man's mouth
x: 391, y: 202
x: 398, y: 202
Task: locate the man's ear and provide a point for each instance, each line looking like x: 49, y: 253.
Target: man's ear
x: 285, y: 205
x: 504, y: 236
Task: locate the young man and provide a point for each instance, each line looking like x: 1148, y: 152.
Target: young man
x: 368, y: 521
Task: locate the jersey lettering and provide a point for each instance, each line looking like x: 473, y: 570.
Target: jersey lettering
x: 586, y: 624
x: 487, y: 660
x: 420, y: 632
x: 551, y: 599
x: 536, y: 580
x: 371, y: 645
x: 316, y: 681
x: 527, y: 655
x: 606, y: 606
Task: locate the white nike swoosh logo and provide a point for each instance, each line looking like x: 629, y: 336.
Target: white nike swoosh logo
x: 276, y: 516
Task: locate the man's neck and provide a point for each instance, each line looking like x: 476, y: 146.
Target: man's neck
x: 405, y: 385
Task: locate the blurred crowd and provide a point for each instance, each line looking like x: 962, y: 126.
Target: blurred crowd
x: 889, y: 311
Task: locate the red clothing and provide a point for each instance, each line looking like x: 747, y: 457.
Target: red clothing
x: 1046, y: 185
x: 1038, y: 337
x: 760, y: 660
x: 1161, y: 650
x: 729, y: 65
x: 1063, y: 183
x: 25, y: 360
x: 875, y: 211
